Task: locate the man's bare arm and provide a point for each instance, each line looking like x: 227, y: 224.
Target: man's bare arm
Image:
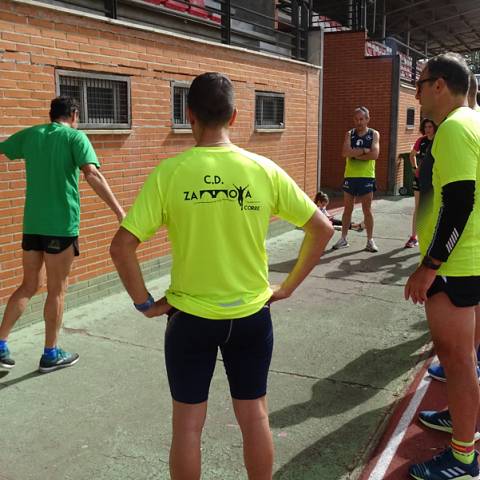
x: 100, y: 186
x: 318, y: 231
x: 373, y: 152
x: 347, y: 150
x: 123, y: 252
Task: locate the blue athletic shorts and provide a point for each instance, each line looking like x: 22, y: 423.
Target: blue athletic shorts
x: 191, y: 348
x: 359, y: 186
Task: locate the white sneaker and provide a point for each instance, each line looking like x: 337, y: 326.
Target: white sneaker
x: 371, y: 247
x: 342, y: 243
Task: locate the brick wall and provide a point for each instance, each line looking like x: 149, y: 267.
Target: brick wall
x: 34, y: 41
x: 350, y: 80
x: 406, y: 137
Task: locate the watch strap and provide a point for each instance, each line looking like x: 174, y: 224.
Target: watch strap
x: 143, y: 307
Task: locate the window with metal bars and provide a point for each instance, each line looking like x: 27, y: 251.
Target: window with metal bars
x: 104, y: 99
x: 410, y: 118
x: 269, y: 111
x: 179, y: 105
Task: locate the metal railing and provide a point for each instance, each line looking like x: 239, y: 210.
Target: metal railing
x: 276, y: 26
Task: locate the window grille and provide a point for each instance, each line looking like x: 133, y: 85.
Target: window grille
x: 179, y: 105
x: 269, y: 110
x: 104, y: 99
x: 410, y: 118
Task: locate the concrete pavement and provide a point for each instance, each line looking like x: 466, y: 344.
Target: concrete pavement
x: 346, y: 346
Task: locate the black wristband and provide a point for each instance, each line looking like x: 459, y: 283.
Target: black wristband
x: 143, y: 307
x: 428, y: 262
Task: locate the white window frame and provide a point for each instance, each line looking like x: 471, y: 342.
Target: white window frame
x: 410, y: 126
x: 185, y: 126
x: 269, y: 127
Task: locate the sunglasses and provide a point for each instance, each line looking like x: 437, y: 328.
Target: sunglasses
x: 419, y: 83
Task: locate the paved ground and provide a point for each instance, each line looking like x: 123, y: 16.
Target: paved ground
x: 346, y: 348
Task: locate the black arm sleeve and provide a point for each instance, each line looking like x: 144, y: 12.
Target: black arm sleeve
x: 457, y: 203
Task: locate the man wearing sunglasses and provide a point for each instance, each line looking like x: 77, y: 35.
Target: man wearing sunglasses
x: 448, y: 279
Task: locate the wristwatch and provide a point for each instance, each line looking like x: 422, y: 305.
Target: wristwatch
x: 428, y: 262
x: 143, y: 307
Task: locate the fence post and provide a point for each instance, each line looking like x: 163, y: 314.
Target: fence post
x: 226, y: 22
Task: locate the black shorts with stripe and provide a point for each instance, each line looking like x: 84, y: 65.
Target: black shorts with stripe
x: 462, y: 291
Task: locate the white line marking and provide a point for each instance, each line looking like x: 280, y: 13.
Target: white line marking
x: 392, y: 446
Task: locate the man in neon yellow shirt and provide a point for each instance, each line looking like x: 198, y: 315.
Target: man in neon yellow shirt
x: 216, y: 201
x: 448, y: 278
x: 361, y: 148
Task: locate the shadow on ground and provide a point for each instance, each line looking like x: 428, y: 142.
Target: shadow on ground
x: 337, y: 394
x: 395, y: 268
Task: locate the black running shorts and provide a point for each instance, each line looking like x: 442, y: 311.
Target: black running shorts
x: 462, y: 291
x: 49, y: 244
x: 191, y: 347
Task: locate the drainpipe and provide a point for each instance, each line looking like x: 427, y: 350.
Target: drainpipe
x: 315, y: 57
x: 394, y: 106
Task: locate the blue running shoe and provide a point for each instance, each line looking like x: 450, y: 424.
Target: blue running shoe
x: 62, y: 360
x: 445, y: 467
x: 437, y: 372
x: 6, y: 361
x: 439, y: 421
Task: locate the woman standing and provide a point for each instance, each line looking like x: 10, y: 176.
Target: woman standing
x: 417, y: 154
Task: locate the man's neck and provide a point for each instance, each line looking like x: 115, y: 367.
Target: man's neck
x: 362, y: 131
x: 213, y: 138
x: 447, y: 107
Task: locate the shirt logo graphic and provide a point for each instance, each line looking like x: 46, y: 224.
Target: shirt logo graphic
x: 239, y: 193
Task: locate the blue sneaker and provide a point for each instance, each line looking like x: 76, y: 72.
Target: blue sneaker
x: 62, y: 360
x: 439, y: 421
x: 437, y: 372
x: 6, y: 361
x: 445, y: 467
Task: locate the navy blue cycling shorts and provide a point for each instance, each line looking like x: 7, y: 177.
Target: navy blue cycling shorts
x: 358, y: 186
x: 191, y: 348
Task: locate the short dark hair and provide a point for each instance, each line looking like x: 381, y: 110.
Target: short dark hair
x: 211, y: 99
x: 363, y: 110
x: 63, y: 107
x: 453, y: 68
x: 472, y: 90
x: 424, y: 122
x: 321, y: 197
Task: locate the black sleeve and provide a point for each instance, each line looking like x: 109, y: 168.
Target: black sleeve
x: 457, y: 203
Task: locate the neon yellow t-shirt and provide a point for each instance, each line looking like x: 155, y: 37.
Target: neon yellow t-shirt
x: 216, y: 203
x: 456, y: 150
x: 359, y: 168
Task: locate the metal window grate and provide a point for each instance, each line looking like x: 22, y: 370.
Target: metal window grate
x: 269, y: 110
x: 104, y: 99
x: 410, y: 118
x: 179, y: 103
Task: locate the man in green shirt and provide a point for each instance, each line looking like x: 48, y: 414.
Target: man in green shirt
x: 448, y: 278
x: 216, y: 201
x: 54, y: 154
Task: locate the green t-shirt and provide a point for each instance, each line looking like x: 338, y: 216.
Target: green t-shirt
x: 456, y: 150
x: 216, y: 203
x: 53, y: 154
